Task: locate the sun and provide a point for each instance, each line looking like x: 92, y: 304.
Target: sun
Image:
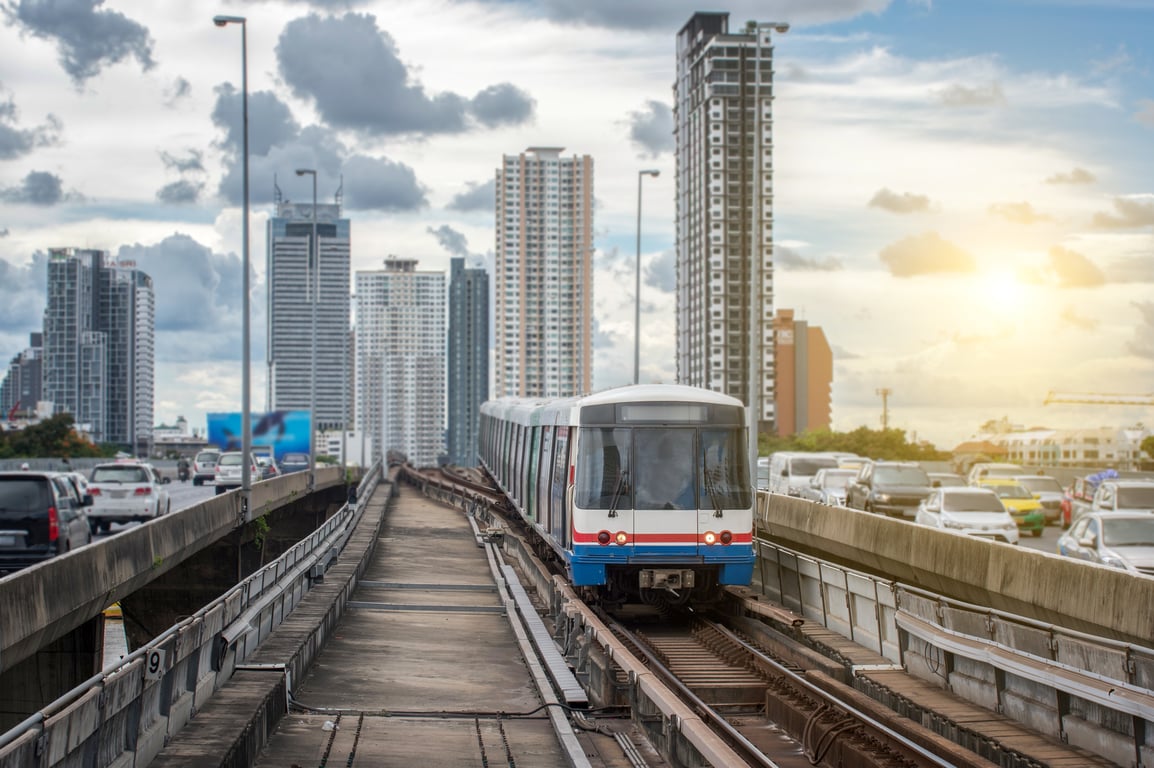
x: 1002, y: 294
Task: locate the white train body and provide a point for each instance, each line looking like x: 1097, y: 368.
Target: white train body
x: 641, y: 489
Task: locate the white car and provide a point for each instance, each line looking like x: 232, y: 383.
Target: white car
x: 229, y: 469
x: 125, y: 492
x: 1117, y: 539
x: 971, y: 511
x: 828, y: 486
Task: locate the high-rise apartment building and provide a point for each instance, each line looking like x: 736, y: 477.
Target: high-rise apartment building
x: 298, y: 285
x: 21, y: 388
x: 804, y: 370
x: 543, y: 278
x: 400, y: 365
x: 99, y: 345
x: 724, y: 136
x: 468, y: 370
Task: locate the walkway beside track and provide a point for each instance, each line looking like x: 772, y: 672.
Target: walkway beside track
x: 422, y: 668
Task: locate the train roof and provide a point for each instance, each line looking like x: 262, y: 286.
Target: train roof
x: 522, y: 410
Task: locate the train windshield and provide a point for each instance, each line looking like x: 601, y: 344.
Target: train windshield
x: 662, y: 468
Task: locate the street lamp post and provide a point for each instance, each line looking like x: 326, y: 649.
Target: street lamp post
x: 756, y: 312
x: 637, y: 282
x: 245, y: 389
x: 312, y: 277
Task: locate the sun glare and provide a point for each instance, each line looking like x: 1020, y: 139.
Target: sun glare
x: 1001, y: 293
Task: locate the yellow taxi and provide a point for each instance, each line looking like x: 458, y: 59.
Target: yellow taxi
x: 1022, y: 505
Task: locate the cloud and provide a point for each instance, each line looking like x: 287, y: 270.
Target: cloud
x: 962, y: 96
x: 356, y: 79
x: 1070, y: 316
x: 1133, y: 211
x: 180, y: 89
x: 270, y: 121
x: 925, y: 254
x: 180, y: 192
x: 1076, y: 176
x: 379, y: 184
x: 17, y: 142
x: 23, y: 294
x: 661, y: 272
x: 651, y: 129
x: 193, y: 162
x: 1019, y: 213
x: 1145, y: 113
x: 4, y: 232
x: 906, y: 202
x: 450, y: 239
x: 1073, y: 270
x: 1143, y: 342
x: 39, y: 188
x: 86, y: 38
x: 503, y: 104
x: 789, y: 259
x: 198, y: 302
x: 478, y: 196
x: 1132, y: 269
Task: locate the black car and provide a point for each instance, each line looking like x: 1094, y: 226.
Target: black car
x: 893, y: 488
x: 42, y: 515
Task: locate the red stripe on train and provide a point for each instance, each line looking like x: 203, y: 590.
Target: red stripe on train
x: 663, y: 538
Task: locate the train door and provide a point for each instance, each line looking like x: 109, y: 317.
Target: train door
x: 558, y: 511
x: 665, y: 491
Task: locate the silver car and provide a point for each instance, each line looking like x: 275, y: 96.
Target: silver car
x: 229, y: 469
x: 828, y: 486
x: 1117, y: 539
x: 973, y: 511
x: 125, y: 492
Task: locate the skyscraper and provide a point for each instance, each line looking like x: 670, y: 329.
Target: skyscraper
x: 544, y: 274
x: 400, y: 368
x: 468, y: 358
x: 723, y: 130
x: 804, y: 365
x: 21, y: 389
x: 99, y: 345
x: 290, y: 310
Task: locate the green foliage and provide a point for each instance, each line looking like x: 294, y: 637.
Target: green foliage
x: 872, y: 443
x: 50, y: 438
x: 1148, y: 446
x: 323, y: 459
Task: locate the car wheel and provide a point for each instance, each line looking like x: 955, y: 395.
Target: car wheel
x: 196, y: 481
x: 104, y: 526
x: 219, y: 490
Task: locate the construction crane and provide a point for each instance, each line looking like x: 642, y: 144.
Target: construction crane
x: 1096, y: 398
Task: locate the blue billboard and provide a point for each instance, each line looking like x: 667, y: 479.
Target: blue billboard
x: 281, y: 431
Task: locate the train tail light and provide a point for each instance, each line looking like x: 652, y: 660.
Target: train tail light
x: 603, y: 538
x: 622, y: 537
x: 726, y: 537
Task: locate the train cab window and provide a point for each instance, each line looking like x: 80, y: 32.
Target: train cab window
x: 665, y: 476
x: 603, y: 468
x: 724, y: 481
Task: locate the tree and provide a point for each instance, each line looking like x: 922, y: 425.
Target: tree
x: 55, y: 436
x: 872, y: 443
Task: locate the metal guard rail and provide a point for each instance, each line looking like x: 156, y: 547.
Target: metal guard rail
x: 136, y: 705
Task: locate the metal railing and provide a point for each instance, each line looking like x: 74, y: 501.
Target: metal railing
x: 135, y: 705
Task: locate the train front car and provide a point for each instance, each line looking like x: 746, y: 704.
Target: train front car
x: 662, y: 506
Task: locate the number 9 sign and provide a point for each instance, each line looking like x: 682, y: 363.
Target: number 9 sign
x: 154, y: 664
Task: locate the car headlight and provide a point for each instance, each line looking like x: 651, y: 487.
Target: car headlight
x: 949, y: 522
x: 1113, y: 560
x: 882, y: 497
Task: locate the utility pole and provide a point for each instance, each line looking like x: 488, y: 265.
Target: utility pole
x: 885, y: 393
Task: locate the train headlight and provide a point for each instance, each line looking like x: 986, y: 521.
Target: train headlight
x: 622, y: 537
x: 603, y: 538
x: 726, y: 537
x: 710, y: 538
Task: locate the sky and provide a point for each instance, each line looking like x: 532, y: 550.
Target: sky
x: 963, y: 190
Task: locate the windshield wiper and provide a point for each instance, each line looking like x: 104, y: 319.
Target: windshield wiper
x: 617, y: 491
x: 709, y: 487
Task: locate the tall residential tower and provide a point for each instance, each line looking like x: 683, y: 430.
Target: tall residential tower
x: 291, y: 295
x: 400, y: 365
x: 468, y: 359
x: 724, y: 135
x: 543, y: 313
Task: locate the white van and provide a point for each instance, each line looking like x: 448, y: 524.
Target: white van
x: 791, y: 471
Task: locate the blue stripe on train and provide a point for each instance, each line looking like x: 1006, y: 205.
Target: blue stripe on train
x: 588, y: 562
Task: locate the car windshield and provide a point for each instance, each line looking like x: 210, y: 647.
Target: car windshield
x: 1136, y: 497
x: 972, y: 502
x: 901, y: 476
x: 295, y: 458
x: 116, y: 474
x: 1039, y: 484
x: 1012, y: 492
x: 809, y: 465
x: 837, y: 479
x: 1128, y: 532
x: 207, y: 458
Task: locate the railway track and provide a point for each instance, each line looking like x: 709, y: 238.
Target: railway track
x: 733, y: 698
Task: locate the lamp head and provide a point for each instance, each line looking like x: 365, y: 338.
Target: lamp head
x: 221, y: 21
x: 305, y: 171
x: 651, y: 172
x: 781, y: 29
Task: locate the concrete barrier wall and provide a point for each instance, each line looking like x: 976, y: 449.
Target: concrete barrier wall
x: 1094, y: 599
x: 43, y: 603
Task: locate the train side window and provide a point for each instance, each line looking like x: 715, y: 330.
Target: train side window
x: 603, y: 468
x: 665, y: 476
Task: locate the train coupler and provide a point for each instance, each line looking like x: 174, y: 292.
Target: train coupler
x: 666, y: 578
